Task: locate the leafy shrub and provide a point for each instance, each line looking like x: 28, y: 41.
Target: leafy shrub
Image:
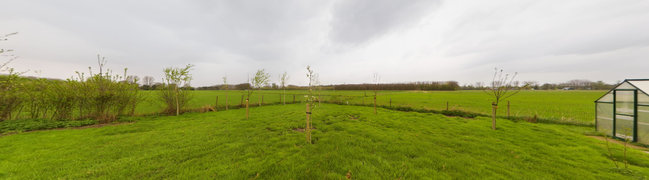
x: 171, y: 92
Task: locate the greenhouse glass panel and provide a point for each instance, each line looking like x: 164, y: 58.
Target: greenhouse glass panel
x: 624, y: 126
x: 643, y: 85
x: 605, y: 118
x: 643, y: 98
x: 624, y: 102
x: 606, y: 98
x: 643, y: 124
x: 625, y: 85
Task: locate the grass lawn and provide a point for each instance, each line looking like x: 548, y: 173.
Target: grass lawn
x: 349, y: 140
x: 575, y: 107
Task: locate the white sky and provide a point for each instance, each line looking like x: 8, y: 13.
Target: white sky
x: 345, y: 41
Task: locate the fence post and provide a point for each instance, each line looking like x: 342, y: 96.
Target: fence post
x: 247, y: 111
x: 226, y: 101
x: 241, y: 105
x: 446, y: 105
x: 507, y: 109
x: 293, y: 98
x: 375, y: 103
x: 216, y: 104
x: 390, y: 102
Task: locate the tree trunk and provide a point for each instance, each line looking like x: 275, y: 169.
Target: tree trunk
x: 307, y: 129
x: 226, y: 100
x: 241, y: 104
x: 177, y: 103
x: 247, y: 111
x: 493, y: 116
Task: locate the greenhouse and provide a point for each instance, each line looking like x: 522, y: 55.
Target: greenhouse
x: 623, y: 112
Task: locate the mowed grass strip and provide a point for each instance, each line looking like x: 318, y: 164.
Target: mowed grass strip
x: 348, y: 140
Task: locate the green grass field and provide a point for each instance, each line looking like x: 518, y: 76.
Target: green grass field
x: 348, y: 140
x: 575, y: 107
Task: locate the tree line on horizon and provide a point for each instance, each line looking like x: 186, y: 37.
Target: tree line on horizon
x: 576, y: 84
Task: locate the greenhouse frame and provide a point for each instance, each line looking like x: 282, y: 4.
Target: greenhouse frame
x: 623, y: 112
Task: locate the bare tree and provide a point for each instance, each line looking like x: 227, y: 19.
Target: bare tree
x: 3, y: 53
x: 282, y: 82
x: 502, y: 87
x: 148, y: 81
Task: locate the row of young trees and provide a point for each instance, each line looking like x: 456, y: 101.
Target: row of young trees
x: 422, y: 86
x: 102, y: 96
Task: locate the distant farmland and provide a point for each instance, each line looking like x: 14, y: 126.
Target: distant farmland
x: 575, y: 107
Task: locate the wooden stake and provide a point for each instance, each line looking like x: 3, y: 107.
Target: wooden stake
x: 262, y: 100
x: 247, y: 111
x: 446, y: 105
x: 293, y: 98
x: 390, y: 102
x: 375, y: 103
x: 226, y: 101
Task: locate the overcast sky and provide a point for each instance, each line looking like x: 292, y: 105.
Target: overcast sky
x: 345, y: 41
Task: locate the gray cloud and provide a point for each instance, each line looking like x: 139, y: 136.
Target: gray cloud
x: 345, y: 41
x: 360, y: 21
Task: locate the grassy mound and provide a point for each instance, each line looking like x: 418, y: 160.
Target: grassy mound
x: 349, y: 141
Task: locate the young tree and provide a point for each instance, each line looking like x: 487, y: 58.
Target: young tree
x: 173, y: 80
x: 282, y: 82
x: 310, y: 101
x: 502, y: 87
x: 260, y: 80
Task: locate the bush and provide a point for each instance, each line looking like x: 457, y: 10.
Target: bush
x: 102, y: 96
x: 172, y: 92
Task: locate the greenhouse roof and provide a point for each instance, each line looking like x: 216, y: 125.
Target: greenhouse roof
x: 641, y: 84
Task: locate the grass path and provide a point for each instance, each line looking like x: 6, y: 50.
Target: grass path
x: 348, y: 140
